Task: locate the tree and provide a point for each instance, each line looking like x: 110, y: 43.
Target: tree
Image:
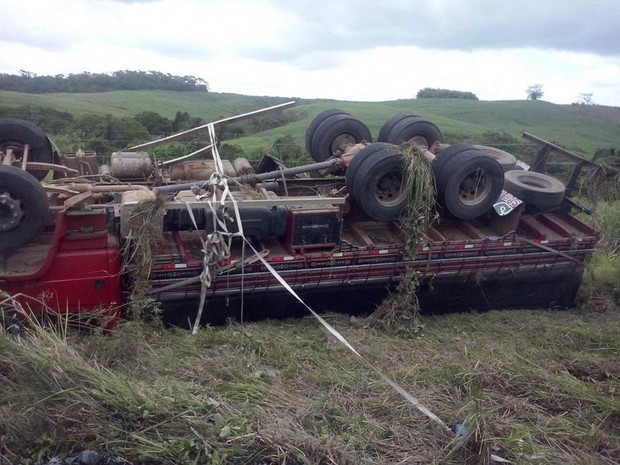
x: 287, y: 149
x: 154, y: 122
x: 106, y: 133
x: 585, y: 98
x: 534, y: 92
x: 427, y: 92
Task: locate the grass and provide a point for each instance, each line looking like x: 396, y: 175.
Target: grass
x: 530, y: 386
x: 579, y: 128
x: 571, y: 126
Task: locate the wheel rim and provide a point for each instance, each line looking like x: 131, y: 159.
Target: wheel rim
x: 475, y: 187
x: 341, y: 142
x: 389, y: 190
x: 11, y: 212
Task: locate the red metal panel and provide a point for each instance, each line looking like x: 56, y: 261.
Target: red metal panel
x: 80, y: 274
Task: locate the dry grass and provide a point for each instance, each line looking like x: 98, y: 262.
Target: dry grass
x: 531, y: 386
x: 145, y: 234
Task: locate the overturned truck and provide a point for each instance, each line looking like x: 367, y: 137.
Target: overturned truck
x: 233, y: 238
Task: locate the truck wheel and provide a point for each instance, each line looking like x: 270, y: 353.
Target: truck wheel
x: 389, y: 124
x: 334, y: 134
x: 16, y: 133
x: 443, y: 157
x: 380, y: 185
x: 415, y: 129
x: 536, y: 189
x: 23, y: 207
x: 359, y: 157
x: 470, y: 184
x: 507, y: 160
x: 316, y: 122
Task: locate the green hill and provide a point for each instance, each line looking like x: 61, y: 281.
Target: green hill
x: 582, y: 129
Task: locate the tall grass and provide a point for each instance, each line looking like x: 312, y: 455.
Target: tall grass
x: 531, y: 386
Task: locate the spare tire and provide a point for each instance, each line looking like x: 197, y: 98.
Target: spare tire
x: 537, y: 189
x: 507, y: 160
x: 334, y: 134
x: 416, y: 129
x: 393, y: 121
x: 23, y: 207
x: 469, y: 185
x: 317, y: 121
x: 16, y: 133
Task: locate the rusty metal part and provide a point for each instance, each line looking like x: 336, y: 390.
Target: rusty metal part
x: 200, y: 170
x: 99, y: 188
x: 242, y: 166
x: 8, y: 157
x: 24, y: 164
x: 331, y: 164
x: 427, y: 154
x: 548, y: 147
x: 76, y: 200
x: 85, y: 163
x: 196, y: 153
x: 351, y: 151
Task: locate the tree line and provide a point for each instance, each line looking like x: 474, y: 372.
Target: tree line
x: 105, y: 134
x: 428, y: 92
x: 30, y: 83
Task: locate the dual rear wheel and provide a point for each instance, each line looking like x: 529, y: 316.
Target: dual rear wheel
x: 467, y: 185
x: 23, y: 202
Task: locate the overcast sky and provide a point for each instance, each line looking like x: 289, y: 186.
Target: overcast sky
x: 368, y: 50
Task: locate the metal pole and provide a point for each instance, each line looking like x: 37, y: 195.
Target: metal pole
x: 254, y: 177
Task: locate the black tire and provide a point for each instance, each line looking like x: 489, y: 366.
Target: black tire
x: 443, y: 157
x: 316, y: 122
x: 23, y: 207
x: 506, y: 159
x: 16, y: 133
x: 416, y: 129
x: 469, y: 185
x: 357, y: 162
x: 389, y: 124
x: 334, y: 133
x: 380, y: 185
x: 536, y: 189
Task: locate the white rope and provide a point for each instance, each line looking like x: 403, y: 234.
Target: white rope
x: 414, y: 401
x: 218, y: 244
x: 214, y: 250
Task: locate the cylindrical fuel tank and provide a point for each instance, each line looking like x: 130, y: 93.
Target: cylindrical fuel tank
x: 124, y: 165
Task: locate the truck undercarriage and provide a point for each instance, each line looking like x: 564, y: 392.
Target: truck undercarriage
x: 335, y: 230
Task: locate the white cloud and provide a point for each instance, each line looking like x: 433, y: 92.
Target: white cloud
x: 355, y: 50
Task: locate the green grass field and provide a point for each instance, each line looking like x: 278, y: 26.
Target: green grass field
x: 579, y: 128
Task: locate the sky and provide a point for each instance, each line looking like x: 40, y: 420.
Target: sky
x: 361, y: 50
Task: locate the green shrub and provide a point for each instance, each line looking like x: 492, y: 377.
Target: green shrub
x: 607, y: 221
x: 602, y: 278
